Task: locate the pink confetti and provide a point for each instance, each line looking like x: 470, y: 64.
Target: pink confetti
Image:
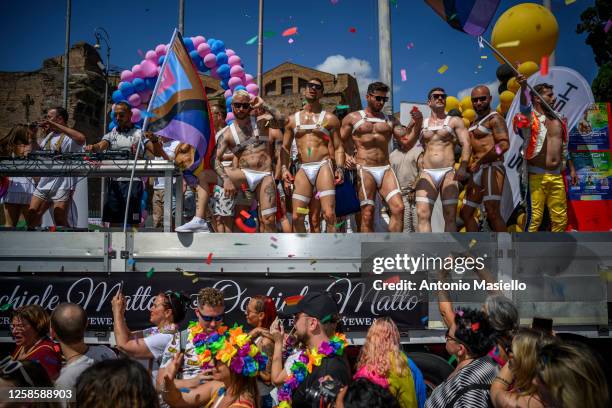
x: 274, y: 239
x: 290, y: 41
x: 334, y: 2
x: 410, y: 45
x: 608, y: 26
x: 141, y: 53
x: 459, y: 312
x: 403, y: 73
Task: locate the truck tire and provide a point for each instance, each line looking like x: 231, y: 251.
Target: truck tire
x: 435, y: 369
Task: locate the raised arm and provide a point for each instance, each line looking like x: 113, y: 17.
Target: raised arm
x: 279, y: 119
x: 125, y: 339
x: 411, y: 131
x: 74, y: 134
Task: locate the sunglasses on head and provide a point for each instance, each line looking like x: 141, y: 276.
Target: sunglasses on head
x: 438, y: 96
x: 239, y: 105
x: 479, y: 99
x: 315, y: 86
x: 380, y: 98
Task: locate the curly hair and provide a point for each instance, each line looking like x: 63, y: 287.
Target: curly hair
x: 526, y: 347
x: 266, y: 305
x: 365, y: 394
x: 210, y: 297
x: 116, y: 383
x: 381, y: 350
x: 36, y: 316
x: 472, y: 328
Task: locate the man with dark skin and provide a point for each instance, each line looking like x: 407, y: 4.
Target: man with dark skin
x: 439, y: 136
x: 546, y: 153
x: 371, y: 131
x: 313, y: 129
x: 248, y: 138
x: 489, y: 141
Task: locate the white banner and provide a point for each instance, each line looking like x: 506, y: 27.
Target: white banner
x: 573, y: 95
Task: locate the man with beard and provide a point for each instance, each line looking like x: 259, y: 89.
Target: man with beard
x: 371, y: 131
x: 489, y: 141
x: 247, y: 138
x: 439, y: 136
x: 546, y: 151
x: 314, y: 129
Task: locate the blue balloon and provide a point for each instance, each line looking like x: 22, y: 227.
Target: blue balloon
x: 210, y: 41
x: 149, y: 83
x: 162, y: 59
x: 139, y: 124
x: 126, y: 89
x: 117, y: 96
x: 239, y: 87
x: 195, y: 57
x: 112, y: 115
x: 224, y: 84
x: 139, y: 84
x: 224, y: 71
x: 112, y: 125
x: 188, y: 44
x: 217, y: 47
x: 221, y: 58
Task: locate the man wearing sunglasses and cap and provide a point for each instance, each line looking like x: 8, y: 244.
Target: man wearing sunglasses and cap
x: 248, y: 139
x: 439, y: 136
x: 489, y: 141
x: 314, y: 130
x: 371, y: 131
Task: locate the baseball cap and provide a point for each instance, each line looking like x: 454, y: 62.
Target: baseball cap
x: 315, y: 304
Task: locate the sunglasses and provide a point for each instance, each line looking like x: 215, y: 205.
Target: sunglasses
x: 438, y: 96
x: 479, y: 99
x: 209, y: 319
x: 380, y: 98
x: 239, y: 105
x: 315, y: 86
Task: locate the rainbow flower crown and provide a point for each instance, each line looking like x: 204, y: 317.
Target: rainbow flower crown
x: 231, y: 347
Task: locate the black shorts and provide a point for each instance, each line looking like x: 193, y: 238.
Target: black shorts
x: 116, y: 199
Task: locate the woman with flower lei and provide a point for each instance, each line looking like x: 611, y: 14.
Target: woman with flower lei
x: 235, y: 363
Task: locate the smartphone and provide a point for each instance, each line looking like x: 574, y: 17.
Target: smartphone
x: 542, y: 324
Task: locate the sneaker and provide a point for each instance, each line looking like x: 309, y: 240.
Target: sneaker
x: 195, y: 225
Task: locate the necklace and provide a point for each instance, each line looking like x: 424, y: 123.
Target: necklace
x: 202, y: 340
x: 304, y: 365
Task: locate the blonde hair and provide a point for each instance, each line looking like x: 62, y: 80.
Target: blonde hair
x: 381, y: 351
x: 241, y: 92
x: 525, y: 349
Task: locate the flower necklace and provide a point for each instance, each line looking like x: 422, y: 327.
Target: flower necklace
x: 167, y: 329
x: 305, y: 363
x: 202, y: 340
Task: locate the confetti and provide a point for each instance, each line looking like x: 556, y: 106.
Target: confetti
x: 194, y: 280
x: 424, y: 319
x: 479, y: 67
x: 568, y: 2
x: 394, y: 2
x: 251, y: 41
x: 290, y: 31
x: 393, y: 279
x: 442, y: 69
x: 290, y: 41
x: 334, y: 2
x: 452, y: 17
x: 142, y: 54
x: 338, y: 225
x: 209, y: 259
x: 313, y: 261
x: 403, y: 74
x: 459, y: 312
x: 274, y: 246
x: 544, y: 64
x: 302, y: 210
x: 190, y: 274
x: 475, y: 326
x: 484, y: 57
x: 472, y: 243
x: 239, y: 244
x: 53, y: 228
x: 151, y: 272
x: 608, y: 26
x: 131, y: 262
x: 245, y: 214
x: 268, y: 34
x: 509, y: 44
x: 352, y: 30
x: 410, y: 45
x: 291, y: 255
x: 134, y: 229
x: 6, y: 307
x: 274, y: 239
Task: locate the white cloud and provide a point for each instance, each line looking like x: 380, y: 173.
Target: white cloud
x: 360, y: 69
x: 492, y: 87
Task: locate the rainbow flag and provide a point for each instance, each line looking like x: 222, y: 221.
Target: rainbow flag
x: 179, y: 109
x: 470, y: 16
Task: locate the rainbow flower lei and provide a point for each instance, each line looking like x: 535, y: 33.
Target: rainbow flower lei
x: 304, y: 365
x: 232, y: 347
x: 202, y: 340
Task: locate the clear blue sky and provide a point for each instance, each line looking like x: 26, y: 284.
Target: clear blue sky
x: 34, y: 30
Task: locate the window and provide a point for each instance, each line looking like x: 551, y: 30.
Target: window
x: 287, y: 86
x: 302, y: 84
x: 270, y: 88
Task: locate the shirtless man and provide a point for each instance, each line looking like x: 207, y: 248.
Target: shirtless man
x: 439, y: 137
x: 546, y: 151
x: 489, y: 141
x: 371, y: 131
x: 313, y: 128
x: 248, y: 139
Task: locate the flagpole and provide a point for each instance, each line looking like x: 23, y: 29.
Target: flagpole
x: 67, y: 52
x: 500, y: 55
x: 260, y: 48
x: 384, y: 50
x: 181, y: 16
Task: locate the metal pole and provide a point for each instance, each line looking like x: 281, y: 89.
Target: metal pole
x: 384, y: 51
x: 181, y: 16
x: 67, y: 52
x: 260, y: 48
x: 551, y: 57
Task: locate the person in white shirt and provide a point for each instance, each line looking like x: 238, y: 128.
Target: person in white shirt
x: 123, y: 137
x: 164, y: 149
x: 56, y: 191
x: 68, y: 324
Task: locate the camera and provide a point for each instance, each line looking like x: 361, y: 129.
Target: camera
x: 327, y: 390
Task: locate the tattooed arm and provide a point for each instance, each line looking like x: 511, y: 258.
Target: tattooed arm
x: 501, y: 140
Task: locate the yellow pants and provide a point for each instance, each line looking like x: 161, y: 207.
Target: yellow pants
x: 547, y: 190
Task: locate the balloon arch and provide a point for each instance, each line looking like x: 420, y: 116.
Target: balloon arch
x: 209, y: 56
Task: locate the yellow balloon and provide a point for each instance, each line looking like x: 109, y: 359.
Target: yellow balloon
x: 512, y: 85
x: 469, y: 114
x: 533, y: 26
x: 466, y: 103
x: 466, y: 122
x: 452, y: 103
x: 498, y: 108
x: 520, y: 220
x: 528, y: 68
x: 506, y: 97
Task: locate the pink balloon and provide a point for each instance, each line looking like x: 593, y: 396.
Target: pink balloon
x: 229, y: 52
x: 203, y: 49
x: 236, y: 71
x: 253, y: 89
x: 158, y: 69
x: 149, y: 69
x: 213, y: 73
x: 137, y: 71
x: 136, y: 115
x: 249, y: 78
x: 127, y: 76
x: 198, y: 40
x: 234, y: 82
x: 134, y: 100
x: 229, y: 117
x: 160, y: 50
x: 145, y: 95
x: 210, y: 60
x: 151, y: 56
x: 228, y: 93
x: 234, y: 60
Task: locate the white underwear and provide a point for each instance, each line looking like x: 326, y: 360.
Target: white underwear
x: 378, y: 173
x: 312, y: 169
x: 437, y: 175
x: 254, y: 177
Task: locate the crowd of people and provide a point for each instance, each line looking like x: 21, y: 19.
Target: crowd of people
x: 316, y: 170
x: 218, y: 364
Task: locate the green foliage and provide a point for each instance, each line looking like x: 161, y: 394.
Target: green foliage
x: 602, y: 84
